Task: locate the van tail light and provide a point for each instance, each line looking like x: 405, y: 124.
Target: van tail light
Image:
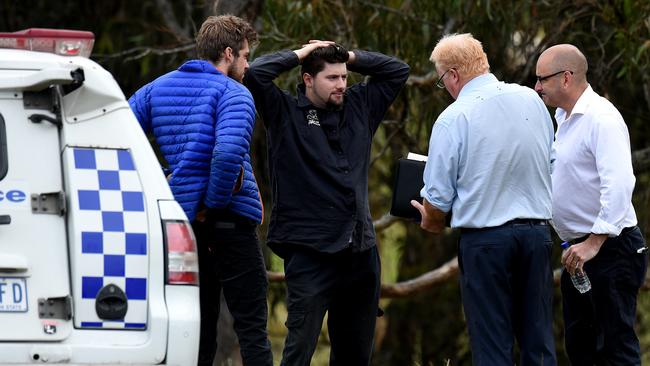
x: 58, y: 41
x: 182, y: 257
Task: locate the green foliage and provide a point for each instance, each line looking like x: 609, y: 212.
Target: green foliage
x: 135, y: 42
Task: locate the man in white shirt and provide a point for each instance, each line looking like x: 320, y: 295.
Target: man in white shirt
x: 489, y: 164
x: 592, y: 210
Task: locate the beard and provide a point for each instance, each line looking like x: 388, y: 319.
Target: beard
x: 235, y: 74
x: 334, y: 105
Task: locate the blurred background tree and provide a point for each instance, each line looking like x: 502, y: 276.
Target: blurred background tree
x: 423, y: 324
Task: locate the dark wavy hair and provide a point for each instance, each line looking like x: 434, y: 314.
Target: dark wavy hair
x: 315, y: 61
x: 219, y: 32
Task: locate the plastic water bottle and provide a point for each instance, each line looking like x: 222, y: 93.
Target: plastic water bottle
x: 580, y: 280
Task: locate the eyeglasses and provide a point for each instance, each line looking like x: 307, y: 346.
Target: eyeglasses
x: 542, y: 78
x: 439, y: 83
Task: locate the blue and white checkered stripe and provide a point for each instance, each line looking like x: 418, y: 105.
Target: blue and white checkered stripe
x: 109, y: 222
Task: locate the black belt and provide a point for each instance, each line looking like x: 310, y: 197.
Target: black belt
x: 584, y: 237
x: 511, y: 222
x: 223, y: 219
x: 527, y: 221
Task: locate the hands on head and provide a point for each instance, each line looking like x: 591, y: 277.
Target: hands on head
x: 310, y: 47
x: 318, y: 43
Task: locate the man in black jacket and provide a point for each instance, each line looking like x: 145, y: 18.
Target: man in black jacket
x: 319, y: 150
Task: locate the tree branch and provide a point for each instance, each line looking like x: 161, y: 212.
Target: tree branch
x: 398, y: 12
x: 167, y: 12
x: 422, y: 80
x: 246, y: 9
x: 441, y: 275
x: 422, y: 282
x: 431, y: 279
x: 275, y: 276
x: 385, y: 147
x: 385, y: 222
x: 140, y: 52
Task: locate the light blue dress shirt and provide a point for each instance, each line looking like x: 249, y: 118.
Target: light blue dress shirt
x: 490, y: 156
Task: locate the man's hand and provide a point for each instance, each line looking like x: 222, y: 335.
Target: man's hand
x: 433, y: 220
x: 576, y: 255
x: 352, y: 57
x: 309, y: 47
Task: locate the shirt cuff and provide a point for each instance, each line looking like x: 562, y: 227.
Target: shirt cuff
x: 361, y: 61
x: 435, y: 203
x: 603, y: 227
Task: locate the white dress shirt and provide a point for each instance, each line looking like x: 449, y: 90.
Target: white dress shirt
x: 490, y: 155
x: 592, y: 179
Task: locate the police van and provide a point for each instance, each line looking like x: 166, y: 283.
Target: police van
x: 98, y: 263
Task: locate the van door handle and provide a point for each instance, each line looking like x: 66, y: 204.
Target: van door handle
x: 5, y: 219
x: 12, y: 263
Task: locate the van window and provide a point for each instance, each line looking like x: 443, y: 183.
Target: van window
x: 3, y: 149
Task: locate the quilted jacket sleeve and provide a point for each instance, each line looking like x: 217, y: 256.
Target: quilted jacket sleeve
x: 235, y: 117
x: 139, y: 103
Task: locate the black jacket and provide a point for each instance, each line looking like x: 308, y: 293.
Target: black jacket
x: 319, y: 158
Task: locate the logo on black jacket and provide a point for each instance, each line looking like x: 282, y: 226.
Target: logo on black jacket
x: 312, y: 118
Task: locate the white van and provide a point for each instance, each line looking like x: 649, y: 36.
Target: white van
x: 98, y: 263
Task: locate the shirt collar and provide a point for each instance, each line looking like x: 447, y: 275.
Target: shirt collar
x: 199, y: 66
x: 477, y: 82
x: 579, y: 108
x: 303, y: 101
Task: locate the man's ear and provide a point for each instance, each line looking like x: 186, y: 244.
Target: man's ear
x: 228, y: 54
x: 567, y: 80
x: 308, y: 80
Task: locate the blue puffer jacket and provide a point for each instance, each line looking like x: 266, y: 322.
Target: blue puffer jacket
x: 203, y: 122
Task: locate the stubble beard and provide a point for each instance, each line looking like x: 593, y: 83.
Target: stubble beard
x: 234, y: 74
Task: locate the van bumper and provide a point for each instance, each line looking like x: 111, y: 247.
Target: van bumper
x: 184, y: 314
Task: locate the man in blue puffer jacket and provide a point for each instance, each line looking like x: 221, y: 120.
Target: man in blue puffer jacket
x: 202, y: 118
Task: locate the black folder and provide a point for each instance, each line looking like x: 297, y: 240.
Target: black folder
x: 407, y: 186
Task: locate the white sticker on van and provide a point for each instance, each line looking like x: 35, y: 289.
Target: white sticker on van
x: 109, y: 241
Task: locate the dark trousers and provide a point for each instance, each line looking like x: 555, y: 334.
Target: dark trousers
x: 599, y: 325
x: 346, y: 286
x: 230, y: 258
x: 507, y: 290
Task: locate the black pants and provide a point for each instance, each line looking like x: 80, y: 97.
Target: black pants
x: 507, y: 290
x: 230, y: 258
x: 346, y: 286
x: 599, y: 325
